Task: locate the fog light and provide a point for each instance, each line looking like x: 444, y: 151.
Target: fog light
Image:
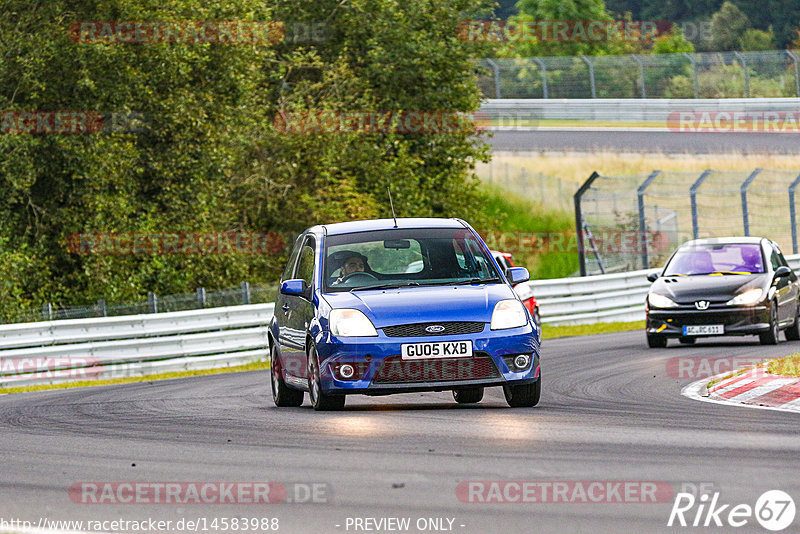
x: 346, y: 370
x: 522, y: 361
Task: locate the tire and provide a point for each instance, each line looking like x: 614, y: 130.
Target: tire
x: 282, y: 395
x: 793, y: 332
x: 770, y: 337
x: 687, y: 340
x: 468, y: 395
x: 656, y: 342
x: 319, y: 400
x: 524, y: 396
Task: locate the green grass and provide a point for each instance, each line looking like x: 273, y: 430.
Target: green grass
x: 788, y: 366
x: 550, y: 331
x: 255, y: 366
x: 513, y: 220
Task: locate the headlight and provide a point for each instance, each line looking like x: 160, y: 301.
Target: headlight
x: 351, y: 323
x: 746, y: 298
x: 508, y: 313
x: 660, y: 301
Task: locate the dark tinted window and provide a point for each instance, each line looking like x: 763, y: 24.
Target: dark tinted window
x: 287, y: 272
x: 305, y: 267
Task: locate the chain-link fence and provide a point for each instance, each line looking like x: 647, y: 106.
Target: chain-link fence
x: 772, y: 73
x: 635, y: 222
x: 534, y: 186
x: 244, y: 294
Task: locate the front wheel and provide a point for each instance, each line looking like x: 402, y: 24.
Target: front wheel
x: 656, y: 342
x: 282, y: 395
x: 770, y: 337
x: 319, y: 399
x: 468, y: 395
x: 524, y: 396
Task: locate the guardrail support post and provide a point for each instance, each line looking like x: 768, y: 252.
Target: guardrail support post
x: 496, y: 71
x: 642, y: 219
x: 639, y: 62
x: 591, y: 75
x: 793, y: 213
x: 693, y: 197
x: 695, y: 81
x: 745, y: 213
x: 47, y: 312
x: 201, y: 297
x: 101, y: 306
x: 746, y: 72
x: 796, y: 73
x: 152, y: 302
x: 543, y: 68
x: 245, y: 292
x: 579, y: 220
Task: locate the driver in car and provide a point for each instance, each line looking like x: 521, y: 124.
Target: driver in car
x: 352, y: 264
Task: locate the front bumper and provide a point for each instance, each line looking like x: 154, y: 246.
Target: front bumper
x: 736, y: 320
x: 380, y: 369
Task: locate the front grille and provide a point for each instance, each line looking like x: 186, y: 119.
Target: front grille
x: 418, y: 329
x: 395, y: 370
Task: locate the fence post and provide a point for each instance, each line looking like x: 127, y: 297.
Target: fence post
x: 152, y: 302
x: 496, y: 71
x: 47, y: 311
x: 543, y: 68
x: 201, y: 297
x: 642, y: 219
x: 101, y: 305
x: 793, y: 213
x: 245, y: 292
x: 743, y: 189
x: 591, y: 75
x: 641, y: 73
x: 746, y: 72
x: 695, y: 80
x: 579, y: 220
x: 693, y: 197
x: 796, y: 75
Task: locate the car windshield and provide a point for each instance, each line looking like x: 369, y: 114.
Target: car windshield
x: 405, y: 257
x: 742, y: 258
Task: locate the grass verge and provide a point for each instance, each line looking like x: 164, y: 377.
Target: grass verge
x: 148, y: 378
x: 550, y: 331
x: 788, y: 366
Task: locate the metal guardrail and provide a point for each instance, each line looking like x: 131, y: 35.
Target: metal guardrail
x: 509, y: 112
x: 135, y: 345
x: 597, y: 299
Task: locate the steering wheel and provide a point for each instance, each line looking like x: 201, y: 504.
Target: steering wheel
x: 347, y: 277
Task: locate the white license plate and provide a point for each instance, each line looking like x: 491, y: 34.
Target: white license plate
x: 441, y: 349
x: 702, y: 330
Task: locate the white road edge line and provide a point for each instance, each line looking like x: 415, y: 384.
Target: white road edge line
x: 696, y: 389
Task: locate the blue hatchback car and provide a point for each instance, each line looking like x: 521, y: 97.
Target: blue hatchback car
x: 398, y: 306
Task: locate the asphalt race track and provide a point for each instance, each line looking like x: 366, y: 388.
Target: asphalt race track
x: 645, y: 141
x: 609, y: 412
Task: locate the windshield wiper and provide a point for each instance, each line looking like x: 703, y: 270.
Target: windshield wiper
x: 475, y: 281
x: 394, y: 285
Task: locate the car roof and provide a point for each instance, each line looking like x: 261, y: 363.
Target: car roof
x: 388, y: 224
x: 725, y: 241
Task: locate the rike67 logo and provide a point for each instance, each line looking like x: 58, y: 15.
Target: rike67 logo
x: 774, y: 510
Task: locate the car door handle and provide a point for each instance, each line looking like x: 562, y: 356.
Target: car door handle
x: 285, y: 308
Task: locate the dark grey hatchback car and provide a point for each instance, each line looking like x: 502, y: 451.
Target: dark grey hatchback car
x: 734, y: 286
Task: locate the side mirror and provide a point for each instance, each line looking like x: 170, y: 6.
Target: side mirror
x: 782, y: 272
x: 518, y: 275
x: 652, y: 277
x: 296, y: 287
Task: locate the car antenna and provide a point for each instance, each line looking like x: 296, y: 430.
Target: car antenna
x: 389, y: 190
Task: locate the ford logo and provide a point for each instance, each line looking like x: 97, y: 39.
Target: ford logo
x: 434, y: 329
